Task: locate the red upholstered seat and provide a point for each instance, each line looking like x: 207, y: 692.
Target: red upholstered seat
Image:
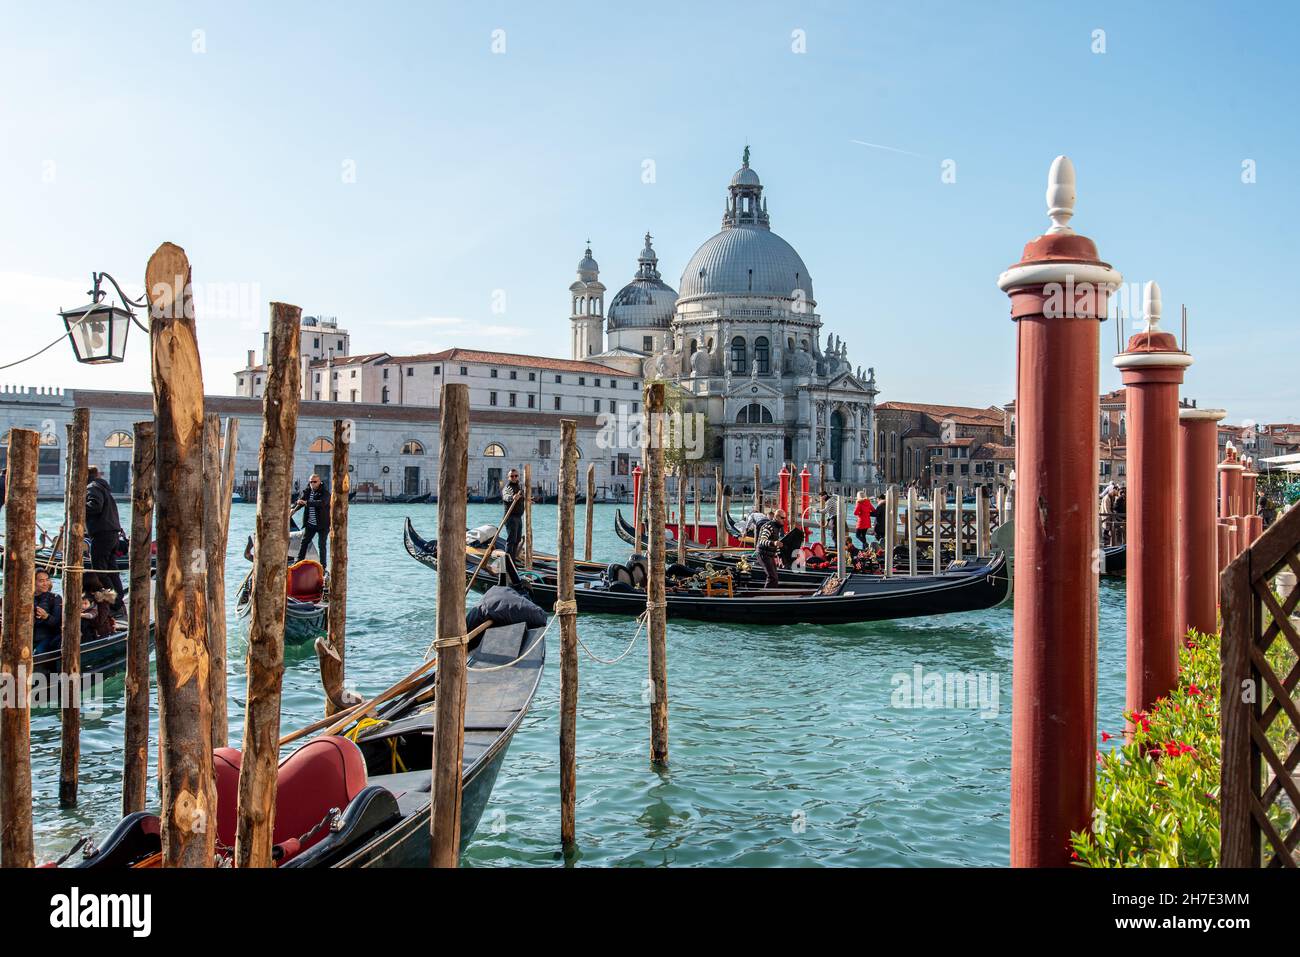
x: 818, y: 550
x: 306, y: 581
x: 327, y: 772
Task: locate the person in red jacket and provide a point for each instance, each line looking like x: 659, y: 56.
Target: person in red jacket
x: 862, y: 511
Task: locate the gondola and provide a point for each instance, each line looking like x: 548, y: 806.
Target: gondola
x: 307, y: 593
x: 105, y: 656
x: 363, y: 799
x: 1114, y: 560
x: 856, y: 598
x: 702, y: 556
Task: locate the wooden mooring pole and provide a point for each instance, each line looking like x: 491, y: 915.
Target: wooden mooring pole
x: 135, y: 743
x: 591, y: 508
x: 936, y: 534
x: 958, y: 526
x: 214, y: 563
x: 217, y: 546
x: 528, y: 517
x: 189, y: 800
x: 911, y: 530
x: 758, y: 489
x: 17, y: 848
x: 265, y: 662
x: 333, y: 657
x: 449, y: 697
x: 656, y: 609
x: 891, y: 528
x: 981, y: 522
x: 74, y: 540
x: 681, y: 515
x: 567, y: 610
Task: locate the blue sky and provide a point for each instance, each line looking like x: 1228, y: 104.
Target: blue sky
x: 478, y: 172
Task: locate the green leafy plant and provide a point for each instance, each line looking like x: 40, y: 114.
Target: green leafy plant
x: 1157, y: 802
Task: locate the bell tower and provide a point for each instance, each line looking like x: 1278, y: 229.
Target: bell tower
x: 587, y: 309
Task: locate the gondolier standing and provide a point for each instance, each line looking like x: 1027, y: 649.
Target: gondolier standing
x: 103, y: 528
x: 315, y: 503
x: 767, y: 543
x: 511, y: 493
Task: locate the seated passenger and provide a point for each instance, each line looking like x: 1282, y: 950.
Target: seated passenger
x: 47, y: 630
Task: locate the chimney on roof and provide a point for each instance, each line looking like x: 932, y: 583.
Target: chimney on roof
x: 250, y: 359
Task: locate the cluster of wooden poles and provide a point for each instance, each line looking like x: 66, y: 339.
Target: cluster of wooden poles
x: 181, y: 493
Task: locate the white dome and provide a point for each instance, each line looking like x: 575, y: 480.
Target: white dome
x: 746, y: 260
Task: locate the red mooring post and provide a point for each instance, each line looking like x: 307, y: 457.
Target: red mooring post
x: 1152, y: 368
x: 1230, y: 484
x: 1059, y: 295
x: 783, y: 494
x: 1198, y: 574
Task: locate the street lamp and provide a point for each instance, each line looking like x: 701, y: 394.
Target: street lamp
x: 98, y: 329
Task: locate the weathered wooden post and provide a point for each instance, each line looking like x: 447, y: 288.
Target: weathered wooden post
x: 718, y: 506
x: 449, y: 697
x: 17, y: 848
x: 891, y: 527
x: 936, y: 533
x: 214, y: 563
x: 656, y: 608
x: 74, y: 525
x: 333, y: 662
x: 135, y: 745
x: 215, y: 546
x: 681, y: 515
x: 1197, y: 575
x: 695, y: 525
x: 758, y: 489
x: 1152, y: 368
x: 958, y: 525
x: 567, y: 610
x: 189, y: 800
x: 911, y: 531
x: 1059, y: 295
x: 528, y: 516
x: 1001, y: 506
x: 841, y: 541
x: 981, y: 522
x: 591, y: 505
x: 265, y: 662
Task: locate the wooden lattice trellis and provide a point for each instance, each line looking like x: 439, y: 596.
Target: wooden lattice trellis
x: 1260, y: 655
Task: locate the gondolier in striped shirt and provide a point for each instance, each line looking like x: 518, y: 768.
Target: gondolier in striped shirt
x: 767, y: 543
x: 315, y: 503
x: 512, y: 498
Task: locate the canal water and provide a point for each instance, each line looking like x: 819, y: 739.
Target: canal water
x: 789, y: 746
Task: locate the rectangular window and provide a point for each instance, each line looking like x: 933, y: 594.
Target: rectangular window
x: 464, y: 370
x: 341, y: 346
x: 559, y: 380
x: 513, y: 397
x: 514, y: 374
x: 597, y: 405
x: 354, y: 395
x: 532, y: 377
x: 494, y: 373
x: 647, y: 344
x: 492, y: 398
x: 315, y: 343
x: 532, y: 401
x: 613, y: 383
x: 437, y: 370
x: 385, y: 373
x: 544, y: 448
x: 317, y: 395
x: 354, y: 373
x: 317, y: 376
x: 47, y: 462
x: 634, y: 406
x: 334, y: 395
x: 582, y: 380
x: 557, y: 403
x: 597, y: 383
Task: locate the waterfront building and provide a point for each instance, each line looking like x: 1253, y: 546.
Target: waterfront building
x: 395, y: 450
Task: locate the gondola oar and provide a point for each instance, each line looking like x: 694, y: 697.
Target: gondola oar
x: 495, y: 535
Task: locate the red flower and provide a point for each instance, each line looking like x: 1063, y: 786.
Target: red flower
x: 1105, y: 736
x: 1193, y: 690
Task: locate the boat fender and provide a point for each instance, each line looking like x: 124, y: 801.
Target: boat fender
x: 482, y: 535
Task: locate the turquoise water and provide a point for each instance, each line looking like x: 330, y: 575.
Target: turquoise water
x: 785, y: 748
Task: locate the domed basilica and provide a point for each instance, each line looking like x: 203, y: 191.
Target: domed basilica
x: 743, y: 340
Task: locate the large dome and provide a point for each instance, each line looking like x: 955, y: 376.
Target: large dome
x: 647, y: 301
x: 746, y: 260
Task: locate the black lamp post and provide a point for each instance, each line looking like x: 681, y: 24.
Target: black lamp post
x: 98, y: 330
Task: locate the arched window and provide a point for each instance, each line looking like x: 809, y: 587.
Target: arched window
x: 762, y: 355
x: 412, y: 447
x: 496, y: 450
x: 321, y: 444
x: 753, y: 414
x: 738, y: 355
x: 119, y: 440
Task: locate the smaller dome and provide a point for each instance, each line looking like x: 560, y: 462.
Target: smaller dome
x: 588, y: 268
x: 745, y: 177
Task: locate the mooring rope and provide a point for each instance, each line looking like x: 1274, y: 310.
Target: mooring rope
x: 641, y: 621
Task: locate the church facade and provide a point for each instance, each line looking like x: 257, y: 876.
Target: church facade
x: 742, y: 341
